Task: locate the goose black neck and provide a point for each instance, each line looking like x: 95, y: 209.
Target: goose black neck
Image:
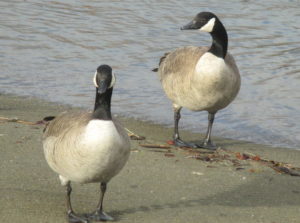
x: 220, y: 40
x: 102, y: 105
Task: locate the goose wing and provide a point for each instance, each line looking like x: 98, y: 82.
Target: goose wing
x: 181, y: 61
x: 65, y: 121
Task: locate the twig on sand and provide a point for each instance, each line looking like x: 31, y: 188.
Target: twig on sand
x: 17, y: 121
x: 134, y: 136
x: 155, y: 146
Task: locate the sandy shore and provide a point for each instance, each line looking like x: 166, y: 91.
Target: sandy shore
x: 157, y: 184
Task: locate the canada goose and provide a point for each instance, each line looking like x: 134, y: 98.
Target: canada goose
x: 200, y: 78
x: 88, y: 147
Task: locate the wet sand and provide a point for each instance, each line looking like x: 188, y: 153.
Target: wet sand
x: 157, y: 184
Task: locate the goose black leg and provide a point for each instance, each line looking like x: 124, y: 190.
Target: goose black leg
x: 207, y: 143
x: 72, y: 217
x: 177, y: 140
x: 99, y: 215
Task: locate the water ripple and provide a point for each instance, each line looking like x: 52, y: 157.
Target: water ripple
x: 48, y: 47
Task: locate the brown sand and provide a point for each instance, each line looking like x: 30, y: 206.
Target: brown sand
x: 157, y: 184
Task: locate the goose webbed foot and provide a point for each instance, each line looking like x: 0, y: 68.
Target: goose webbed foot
x: 73, y: 218
x: 99, y: 216
x: 180, y: 143
x: 208, y: 145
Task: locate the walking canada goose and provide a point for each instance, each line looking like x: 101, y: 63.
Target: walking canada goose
x: 88, y: 147
x: 200, y: 78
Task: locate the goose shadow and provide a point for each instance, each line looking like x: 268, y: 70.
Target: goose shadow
x: 267, y: 192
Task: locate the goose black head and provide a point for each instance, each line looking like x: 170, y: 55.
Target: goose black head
x: 104, y: 78
x: 204, y: 21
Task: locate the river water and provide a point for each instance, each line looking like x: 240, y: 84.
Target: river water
x: 50, y: 49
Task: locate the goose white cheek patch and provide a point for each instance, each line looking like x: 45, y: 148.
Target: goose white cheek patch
x: 94, y: 80
x: 112, y: 83
x: 209, y: 26
x: 113, y: 80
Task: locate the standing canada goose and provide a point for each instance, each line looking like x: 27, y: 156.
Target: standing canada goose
x: 200, y: 78
x: 88, y: 147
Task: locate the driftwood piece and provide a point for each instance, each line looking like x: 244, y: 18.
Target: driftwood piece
x: 4, y: 119
x: 155, y: 146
